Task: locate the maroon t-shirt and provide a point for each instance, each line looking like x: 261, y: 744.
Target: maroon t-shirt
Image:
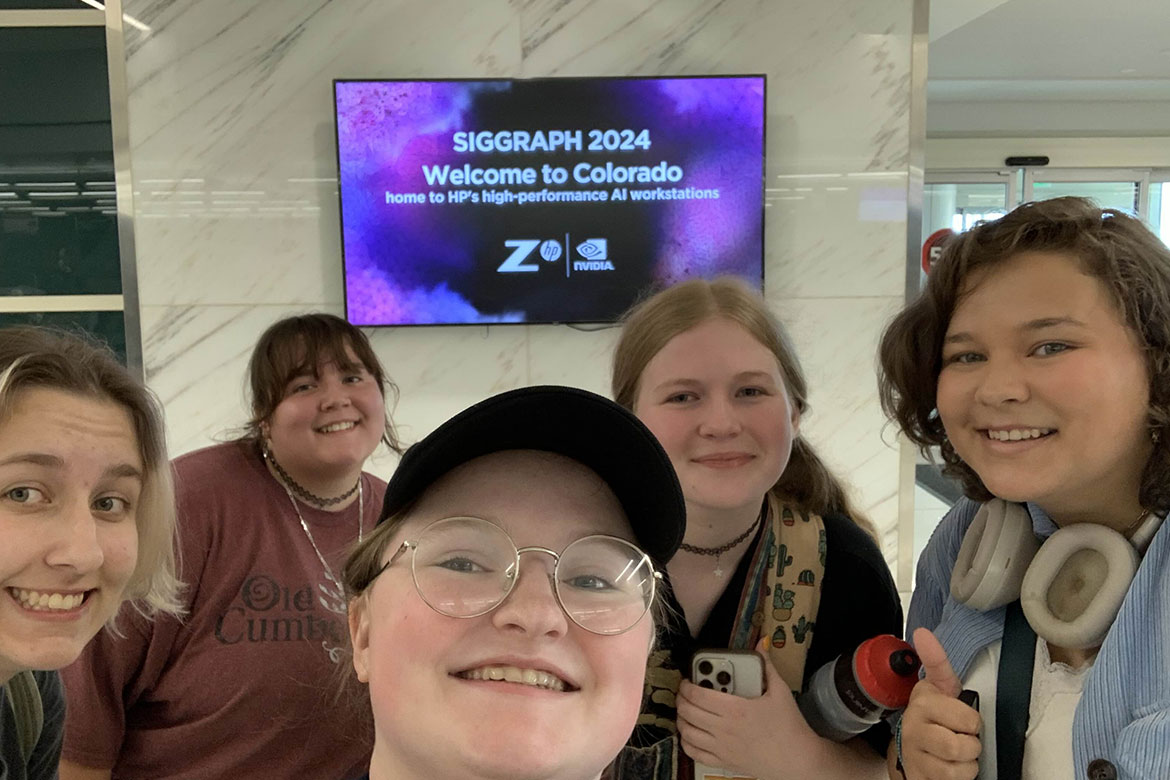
x: 249, y: 684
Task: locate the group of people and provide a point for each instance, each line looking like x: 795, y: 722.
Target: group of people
x: 524, y: 597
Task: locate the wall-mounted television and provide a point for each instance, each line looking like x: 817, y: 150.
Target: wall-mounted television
x: 553, y: 200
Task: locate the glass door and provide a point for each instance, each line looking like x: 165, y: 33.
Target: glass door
x: 1116, y: 188
x: 1159, y: 204
x: 958, y: 200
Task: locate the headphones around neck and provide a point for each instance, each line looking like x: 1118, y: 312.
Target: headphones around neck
x: 1070, y: 586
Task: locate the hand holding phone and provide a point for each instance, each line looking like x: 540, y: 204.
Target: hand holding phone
x: 736, y: 672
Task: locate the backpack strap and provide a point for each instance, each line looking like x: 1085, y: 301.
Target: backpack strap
x: 24, y: 697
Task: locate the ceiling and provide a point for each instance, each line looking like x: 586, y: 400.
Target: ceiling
x: 1006, y: 65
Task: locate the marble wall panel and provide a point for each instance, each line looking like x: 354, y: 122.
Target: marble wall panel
x: 441, y: 370
x: 196, y: 360
x: 232, y: 131
x: 572, y: 356
x: 237, y: 218
x: 837, y: 341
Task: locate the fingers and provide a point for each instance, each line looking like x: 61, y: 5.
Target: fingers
x: 697, y: 741
x: 949, y: 746
x: 931, y: 768
x: 699, y: 755
x: 935, y: 662
x: 772, y: 679
x: 930, y: 705
x: 939, y: 736
x: 709, y: 699
x: 695, y: 716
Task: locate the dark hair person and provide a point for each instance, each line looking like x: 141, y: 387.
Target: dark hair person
x: 87, y: 520
x: 1037, y: 362
x: 502, y: 611
x: 775, y: 557
x: 242, y: 687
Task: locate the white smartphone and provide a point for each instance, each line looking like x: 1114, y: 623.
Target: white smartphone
x: 738, y: 672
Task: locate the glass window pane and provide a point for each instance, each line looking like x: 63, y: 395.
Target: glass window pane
x: 959, y: 206
x: 1160, y: 210
x: 55, y: 92
x: 1121, y: 195
x: 58, y: 229
x: 59, y: 252
x: 109, y: 326
x: 38, y: 5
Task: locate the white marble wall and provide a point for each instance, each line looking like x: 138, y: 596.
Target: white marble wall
x: 237, y: 219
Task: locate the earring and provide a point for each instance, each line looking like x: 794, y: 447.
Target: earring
x: 265, y: 443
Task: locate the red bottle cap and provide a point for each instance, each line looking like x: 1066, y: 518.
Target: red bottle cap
x: 887, y: 669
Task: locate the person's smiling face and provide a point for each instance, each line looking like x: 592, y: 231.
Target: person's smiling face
x: 328, y: 423
x: 577, y: 695
x: 715, y: 398
x: 70, y: 478
x: 1044, y: 390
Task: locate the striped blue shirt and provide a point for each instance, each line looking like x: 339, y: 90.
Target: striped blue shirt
x: 1124, y: 712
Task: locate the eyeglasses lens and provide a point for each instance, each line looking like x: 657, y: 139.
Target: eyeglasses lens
x: 464, y: 567
x: 605, y: 585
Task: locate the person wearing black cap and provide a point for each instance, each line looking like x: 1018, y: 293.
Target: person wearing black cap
x: 503, y: 610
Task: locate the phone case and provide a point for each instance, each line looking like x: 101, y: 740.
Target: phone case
x: 738, y: 672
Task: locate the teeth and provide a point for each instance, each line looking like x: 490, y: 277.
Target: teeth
x: 45, y: 602
x: 1018, y: 434
x: 335, y: 427
x: 513, y: 674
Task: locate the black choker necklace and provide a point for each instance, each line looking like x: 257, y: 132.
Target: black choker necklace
x: 311, y: 498
x: 718, y: 551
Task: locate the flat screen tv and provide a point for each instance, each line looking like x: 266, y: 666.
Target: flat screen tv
x: 556, y: 200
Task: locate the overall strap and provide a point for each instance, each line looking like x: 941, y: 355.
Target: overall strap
x: 24, y: 697
x: 1013, y: 692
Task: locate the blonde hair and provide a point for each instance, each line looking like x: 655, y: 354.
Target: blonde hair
x: 652, y: 323
x: 42, y: 358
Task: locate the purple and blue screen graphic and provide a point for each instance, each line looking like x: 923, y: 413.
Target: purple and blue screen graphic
x: 544, y: 200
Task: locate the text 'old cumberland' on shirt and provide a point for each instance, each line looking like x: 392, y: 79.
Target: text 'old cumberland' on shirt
x: 248, y: 684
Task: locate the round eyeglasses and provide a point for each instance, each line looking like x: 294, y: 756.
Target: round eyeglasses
x: 464, y: 567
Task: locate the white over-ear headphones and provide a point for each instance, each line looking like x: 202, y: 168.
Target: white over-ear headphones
x: 1070, y: 587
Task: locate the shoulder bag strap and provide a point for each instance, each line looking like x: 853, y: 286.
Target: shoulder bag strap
x: 25, y: 699
x: 1013, y: 691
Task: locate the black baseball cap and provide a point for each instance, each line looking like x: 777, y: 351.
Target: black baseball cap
x: 578, y: 424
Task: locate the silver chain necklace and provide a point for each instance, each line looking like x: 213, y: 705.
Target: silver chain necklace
x: 331, y: 598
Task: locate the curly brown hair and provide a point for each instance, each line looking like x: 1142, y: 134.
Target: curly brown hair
x: 1113, y: 247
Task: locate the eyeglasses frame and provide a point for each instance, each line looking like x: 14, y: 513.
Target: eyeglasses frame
x: 514, y: 577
